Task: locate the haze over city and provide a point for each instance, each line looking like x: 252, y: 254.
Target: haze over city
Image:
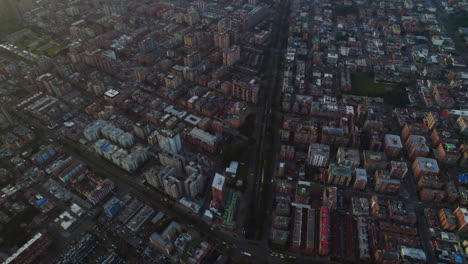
x: 233, y: 131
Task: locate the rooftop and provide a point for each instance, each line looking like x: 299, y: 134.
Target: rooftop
x: 218, y: 181
x: 393, y: 141
x: 427, y: 164
x: 340, y: 170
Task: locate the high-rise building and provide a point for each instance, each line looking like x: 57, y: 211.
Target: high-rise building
x: 384, y: 184
x: 194, y: 184
x: 169, y: 140
x: 217, y: 187
x: 231, y: 55
x: 302, y: 195
x: 374, y: 160
x: 105, y: 60
x: 324, y: 231
x: 416, y: 146
x: 172, y: 81
x: 462, y: 123
x: 447, y: 219
x: 318, y: 155
x: 174, y: 160
x: 192, y: 17
x: 203, y: 139
x: 53, y: 85
x: 419, y: 129
x: 430, y: 120
x: 398, y: 169
x: 222, y: 40
x: 142, y: 129
x: 246, y: 90
x: 393, y: 146
x: 360, y: 179
x: 447, y: 154
x: 330, y: 197
x: 192, y: 59
x: 339, y: 174
x: 348, y: 157
x: 462, y: 219
x: 151, y: 176
x: 146, y: 45
x: 172, y: 186
x: 424, y: 166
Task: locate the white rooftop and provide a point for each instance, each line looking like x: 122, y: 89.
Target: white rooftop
x: 218, y: 181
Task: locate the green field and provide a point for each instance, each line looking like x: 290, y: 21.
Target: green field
x: 9, y: 22
x: 363, y: 84
x: 13, y: 232
x: 453, y: 22
x: 36, y: 46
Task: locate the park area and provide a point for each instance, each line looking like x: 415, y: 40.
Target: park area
x: 41, y: 46
x: 363, y: 85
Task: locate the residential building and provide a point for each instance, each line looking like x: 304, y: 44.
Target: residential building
x: 339, y: 174
x: 462, y: 219
x: 447, y: 153
x: 231, y: 55
x: 384, y: 184
x: 318, y: 155
x: 324, y: 231
x: 393, y: 146
x: 169, y: 140
x: 416, y: 146
x: 360, y: 179
x: 164, y: 240
x: 330, y: 197
x: 348, y: 157
x: 424, y: 166
x: 217, y: 187
x: 398, y: 169
x: 374, y: 160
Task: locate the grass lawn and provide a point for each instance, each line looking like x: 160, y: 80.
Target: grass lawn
x: 453, y: 22
x: 363, y: 84
x: 13, y: 233
x: 242, y: 173
x: 8, y: 26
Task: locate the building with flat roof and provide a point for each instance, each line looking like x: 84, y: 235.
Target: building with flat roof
x: 203, y: 139
x: 417, y: 147
x: 165, y: 240
x: 384, y: 184
x: 169, y: 140
x: 348, y: 157
x: 296, y: 239
x: 310, y: 229
x: 360, y: 179
x: 461, y: 214
x: 339, y: 174
x: 217, y: 187
x: 398, y: 169
x: 393, y: 146
x: 424, y: 166
x: 330, y: 197
x: 302, y: 192
x: 363, y: 238
x: 318, y: 155
x: 373, y: 160
x: 447, y: 153
x: 324, y: 232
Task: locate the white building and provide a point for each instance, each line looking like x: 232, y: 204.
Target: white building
x: 169, y: 141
